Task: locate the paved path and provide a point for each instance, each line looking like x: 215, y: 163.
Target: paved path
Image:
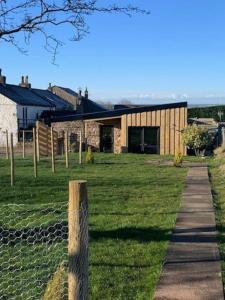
x: 192, y: 268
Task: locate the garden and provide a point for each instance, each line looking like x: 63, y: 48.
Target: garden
x: 132, y: 210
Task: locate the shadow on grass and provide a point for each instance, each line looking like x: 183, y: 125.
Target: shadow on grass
x: 144, y: 234
x: 58, y: 232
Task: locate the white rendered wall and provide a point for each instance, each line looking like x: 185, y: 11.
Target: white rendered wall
x: 8, y: 119
x: 10, y: 112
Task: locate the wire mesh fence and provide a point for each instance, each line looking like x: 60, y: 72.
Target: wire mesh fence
x: 33, y: 251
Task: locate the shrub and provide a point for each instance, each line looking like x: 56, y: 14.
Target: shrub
x: 89, y: 156
x: 219, y: 150
x: 196, y: 138
x: 57, y: 286
x: 178, y: 159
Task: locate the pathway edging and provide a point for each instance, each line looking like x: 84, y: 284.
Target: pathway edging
x: 192, y: 269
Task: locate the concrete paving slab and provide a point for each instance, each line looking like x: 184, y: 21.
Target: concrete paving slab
x: 192, y: 269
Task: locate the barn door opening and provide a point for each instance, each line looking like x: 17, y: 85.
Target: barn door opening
x: 106, y: 138
x: 143, y: 140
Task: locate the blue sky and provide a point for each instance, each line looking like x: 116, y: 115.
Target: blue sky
x: 175, y: 53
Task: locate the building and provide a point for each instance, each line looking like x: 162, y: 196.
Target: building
x: 21, y: 105
x: 155, y: 129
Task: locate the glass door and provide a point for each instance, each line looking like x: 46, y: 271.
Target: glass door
x: 106, y: 138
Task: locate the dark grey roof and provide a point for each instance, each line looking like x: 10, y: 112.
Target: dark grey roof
x: 114, y: 113
x: 32, y: 97
x: 90, y: 106
x: 53, y: 99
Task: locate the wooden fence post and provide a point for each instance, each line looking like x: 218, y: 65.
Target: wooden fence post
x: 37, y: 142
x: 66, y: 149
x: 7, y: 144
x: 35, y: 152
x: 78, y: 241
x: 12, y: 160
x: 80, y: 149
x: 52, y: 150
x: 23, y: 144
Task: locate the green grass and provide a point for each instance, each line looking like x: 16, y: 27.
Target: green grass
x: 218, y: 189
x: 132, y: 210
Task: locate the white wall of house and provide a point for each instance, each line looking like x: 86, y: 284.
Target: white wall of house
x: 8, y: 119
x: 10, y: 112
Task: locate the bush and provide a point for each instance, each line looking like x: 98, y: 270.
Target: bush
x: 57, y: 286
x: 178, y: 159
x: 196, y: 138
x: 89, y: 156
x: 219, y: 150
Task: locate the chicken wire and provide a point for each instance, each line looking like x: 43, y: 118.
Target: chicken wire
x: 33, y: 251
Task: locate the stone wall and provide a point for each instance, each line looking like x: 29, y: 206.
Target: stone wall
x: 117, y: 137
x: 90, y: 132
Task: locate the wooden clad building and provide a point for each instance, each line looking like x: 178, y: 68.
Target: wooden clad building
x: 155, y: 129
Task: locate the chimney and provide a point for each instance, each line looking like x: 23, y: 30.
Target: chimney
x: 80, y: 93
x: 24, y: 82
x: 50, y: 87
x: 86, y: 93
x: 2, y: 78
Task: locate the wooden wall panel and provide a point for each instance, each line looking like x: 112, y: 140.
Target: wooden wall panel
x: 123, y: 130
x: 144, y: 119
x: 153, y: 118
x: 149, y: 118
x: 138, y: 119
x: 177, y: 129
x: 158, y: 118
x: 133, y: 120
x: 172, y: 131
x: 129, y: 120
x: 171, y: 122
x: 162, y: 132
x: 167, y: 132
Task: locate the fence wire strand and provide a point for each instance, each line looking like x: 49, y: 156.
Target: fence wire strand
x: 33, y: 251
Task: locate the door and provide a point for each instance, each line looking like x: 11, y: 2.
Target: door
x: 143, y: 140
x: 106, y: 138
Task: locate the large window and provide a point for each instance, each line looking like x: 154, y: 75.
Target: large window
x: 143, y: 140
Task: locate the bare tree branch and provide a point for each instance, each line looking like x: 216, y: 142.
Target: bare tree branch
x: 41, y: 16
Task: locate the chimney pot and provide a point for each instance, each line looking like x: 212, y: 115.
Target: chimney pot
x: 24, y: 82
x: 2, y: 78
x: 86, y: 93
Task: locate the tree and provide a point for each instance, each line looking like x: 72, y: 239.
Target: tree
x: 196, y: 138
x: 28, y: 17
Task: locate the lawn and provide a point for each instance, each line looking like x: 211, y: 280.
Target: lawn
x: 132, y: 210
x: 217, y: 177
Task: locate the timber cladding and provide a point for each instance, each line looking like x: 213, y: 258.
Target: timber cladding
x: 171, y: 122
x: 44, y: 146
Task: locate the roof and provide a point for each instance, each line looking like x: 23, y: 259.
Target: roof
x: 68, y: 90
x: 115, y: 113
x: 32, y: 97
x: 88, y: 106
